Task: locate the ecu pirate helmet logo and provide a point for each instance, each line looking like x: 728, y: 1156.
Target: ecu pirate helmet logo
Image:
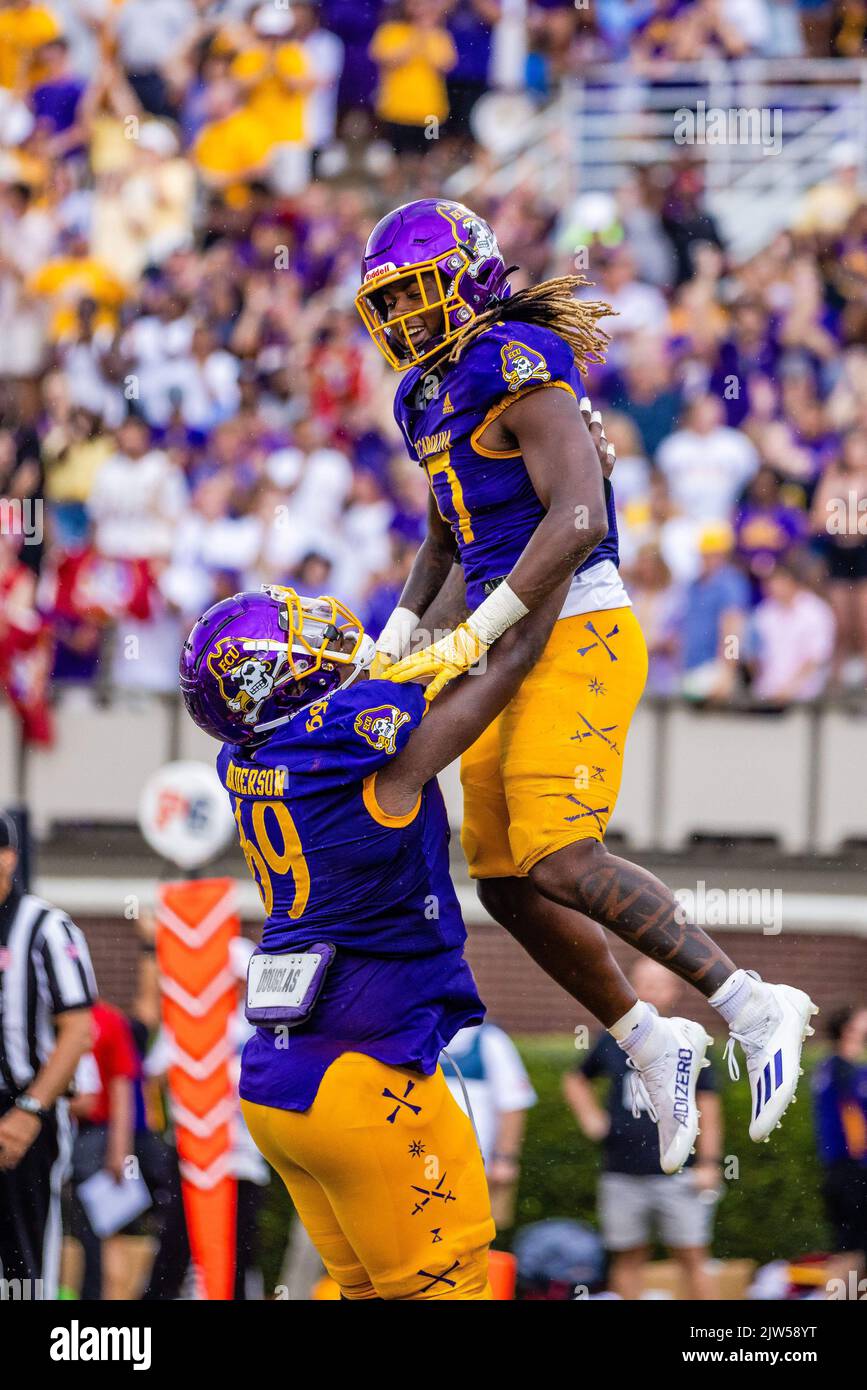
x: 473, y: 235
x: 246, y: 679
x: 522, y: 364
x: 255, y: 660
x: 379, y: 727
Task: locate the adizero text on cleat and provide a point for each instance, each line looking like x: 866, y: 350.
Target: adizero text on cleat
x: 666, y: 1088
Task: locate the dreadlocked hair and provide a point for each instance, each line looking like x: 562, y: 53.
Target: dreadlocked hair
x: 552, y: 304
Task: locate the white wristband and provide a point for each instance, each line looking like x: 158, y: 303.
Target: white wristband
x: 500, y: 610
x: 395, y: 636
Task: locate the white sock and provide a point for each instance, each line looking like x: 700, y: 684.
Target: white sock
x: 641, y: 1033
x: 735, y: 997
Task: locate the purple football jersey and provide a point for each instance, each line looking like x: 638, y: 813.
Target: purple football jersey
x: 331, y: 866
x: 487, y: 499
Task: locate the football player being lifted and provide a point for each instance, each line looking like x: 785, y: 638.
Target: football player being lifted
x: 360, y: 980
x: 491, y: 405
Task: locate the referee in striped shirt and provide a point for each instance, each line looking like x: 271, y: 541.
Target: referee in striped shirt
x: 46, y: 990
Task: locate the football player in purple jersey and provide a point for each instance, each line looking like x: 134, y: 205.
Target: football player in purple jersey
x: 360, y: 979
x: 490, y: 405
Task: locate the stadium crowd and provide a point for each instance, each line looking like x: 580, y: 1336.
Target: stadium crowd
x: 188, y: 401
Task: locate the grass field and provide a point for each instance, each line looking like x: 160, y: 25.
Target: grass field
x: 772, y: 1209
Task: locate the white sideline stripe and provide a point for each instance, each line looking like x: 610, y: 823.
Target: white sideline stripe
x: 813, y: 912
x: 206, y: 1178
x: 201, y: 1068
x: 197, y: 1005
x: 203, y: 1126
x: 204, y: 930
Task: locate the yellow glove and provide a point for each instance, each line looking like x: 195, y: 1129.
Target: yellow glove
x: 379, y: 665
x: 450, y: 657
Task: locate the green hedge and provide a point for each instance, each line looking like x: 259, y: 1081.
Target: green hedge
x: 773, y: 1209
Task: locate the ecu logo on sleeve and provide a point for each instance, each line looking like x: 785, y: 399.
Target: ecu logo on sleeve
x: 522, y: 364
x: 379, y: 727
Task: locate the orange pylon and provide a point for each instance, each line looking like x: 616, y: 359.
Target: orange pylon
x: 196, y: 922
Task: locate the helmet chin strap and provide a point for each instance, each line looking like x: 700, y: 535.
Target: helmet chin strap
x: 366, y: 653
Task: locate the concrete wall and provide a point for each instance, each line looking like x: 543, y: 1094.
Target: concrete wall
x: 795, y: 778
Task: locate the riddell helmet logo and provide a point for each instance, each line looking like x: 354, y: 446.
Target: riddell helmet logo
x: 387, y: 268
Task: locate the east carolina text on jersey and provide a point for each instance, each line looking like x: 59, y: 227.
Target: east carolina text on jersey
x: 433, y: 444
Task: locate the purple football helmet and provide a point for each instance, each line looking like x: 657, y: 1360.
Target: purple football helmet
x: 253, y: 662
x: 454, y: 257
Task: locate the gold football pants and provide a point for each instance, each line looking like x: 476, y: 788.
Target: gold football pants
x: 386, y: 1175
x: 547, y: 772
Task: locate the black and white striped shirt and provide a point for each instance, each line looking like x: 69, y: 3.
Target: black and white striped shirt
x: 45, y: 969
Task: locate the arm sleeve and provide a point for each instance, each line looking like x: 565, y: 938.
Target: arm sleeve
x: 63, y: 951
x: 748, y: 461
x: 378, y: 724
x: 99, y: 498
x: 820, y: 641
x: 445, y: 51
x: 159, y: 1058
x: 293, y: 62
x: 383, y: 43
x: 86, y: 1080
x: 122, y: 1056
x: 246, y: 65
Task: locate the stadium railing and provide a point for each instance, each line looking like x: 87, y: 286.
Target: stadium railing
x: 786, y: 777
x: 782, y: 118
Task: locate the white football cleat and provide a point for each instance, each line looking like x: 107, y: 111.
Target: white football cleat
x: 667, y: 1088
x: 772, y: 1043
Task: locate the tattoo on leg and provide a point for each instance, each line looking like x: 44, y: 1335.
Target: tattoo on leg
x: 640, y: 909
